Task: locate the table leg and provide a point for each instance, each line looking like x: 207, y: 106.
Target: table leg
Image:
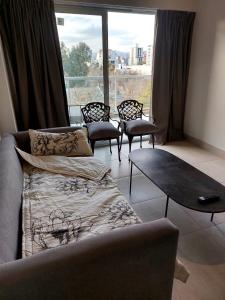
x: 167, y: 203
x: 131, y: 171
x: 212, y: 217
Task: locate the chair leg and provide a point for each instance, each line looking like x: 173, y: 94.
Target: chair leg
x: 93, y: 146
x: 141, y: 141
x: 121, y: 141
x: 130, y: 139
x: 110, y: 146
x: 153, y: 141
x: 118, y: 145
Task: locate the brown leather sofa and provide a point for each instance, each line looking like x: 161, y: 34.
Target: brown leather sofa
x: 136, y: 262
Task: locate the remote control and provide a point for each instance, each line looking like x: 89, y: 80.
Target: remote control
x: 208, y: 199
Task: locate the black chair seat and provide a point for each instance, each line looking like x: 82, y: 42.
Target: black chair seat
x: 139, y: 127
x: 102, y: 130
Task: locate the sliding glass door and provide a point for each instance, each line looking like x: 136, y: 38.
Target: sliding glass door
x: 131, y: 38
x: 81, y: 48
x: 107, y: 57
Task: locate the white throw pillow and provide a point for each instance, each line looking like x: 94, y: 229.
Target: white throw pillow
x: 68, y: 144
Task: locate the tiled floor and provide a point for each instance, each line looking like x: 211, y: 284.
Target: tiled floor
x: 201, y: 242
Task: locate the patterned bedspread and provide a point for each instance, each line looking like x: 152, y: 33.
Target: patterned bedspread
x: 59, y: 209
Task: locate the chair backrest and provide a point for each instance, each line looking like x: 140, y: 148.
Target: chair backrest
x: 130, y: 110
x: 95, y: 112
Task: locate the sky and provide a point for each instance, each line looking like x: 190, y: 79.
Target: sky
x: 125, y: 30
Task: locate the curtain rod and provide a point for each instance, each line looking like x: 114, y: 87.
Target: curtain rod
x: 134, y: 9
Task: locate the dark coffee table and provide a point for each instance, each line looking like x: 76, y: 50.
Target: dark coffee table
x: 178, y: 180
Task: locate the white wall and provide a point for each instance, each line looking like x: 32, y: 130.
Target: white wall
x: 205, y: 106
x: 160, y: 4
x: 7, y: 119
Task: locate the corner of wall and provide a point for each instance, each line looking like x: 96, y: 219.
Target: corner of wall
x: 7, y: 117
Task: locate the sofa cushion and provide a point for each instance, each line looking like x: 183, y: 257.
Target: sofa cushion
x: 68, y: 144
x: 23, y: 138
x: 139, y: 127
x: 102, y: 130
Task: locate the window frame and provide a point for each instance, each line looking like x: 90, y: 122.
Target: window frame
x: 101, y: 10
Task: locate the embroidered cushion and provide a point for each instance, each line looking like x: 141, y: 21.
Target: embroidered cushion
x: 68, y: 144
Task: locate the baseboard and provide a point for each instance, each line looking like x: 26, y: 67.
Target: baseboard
x: 206, y: 146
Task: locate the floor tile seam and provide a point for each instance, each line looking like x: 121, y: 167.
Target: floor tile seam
x: 193, y: 219
x: 134, y: 175
x: 125, y: 176
x: 221, y: 231
x: 219, y: 222
x: 109, y: 160
x: 196, y: 222
x: 211, y: 224
x: 136, y: 203
x: 196, y: 231
x: 203, y: 161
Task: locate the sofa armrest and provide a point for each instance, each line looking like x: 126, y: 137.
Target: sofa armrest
x: 136, y: 262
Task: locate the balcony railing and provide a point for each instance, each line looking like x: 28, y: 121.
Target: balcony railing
x: 84, y: 89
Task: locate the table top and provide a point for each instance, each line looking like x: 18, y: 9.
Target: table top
x: 179, y: 180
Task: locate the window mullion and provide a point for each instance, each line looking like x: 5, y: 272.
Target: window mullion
x: 105, y: 57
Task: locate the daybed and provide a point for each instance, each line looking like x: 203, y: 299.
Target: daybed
x: 135, y: 262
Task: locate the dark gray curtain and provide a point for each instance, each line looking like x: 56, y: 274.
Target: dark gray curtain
x: 171, y: 66
x: 31, y: 45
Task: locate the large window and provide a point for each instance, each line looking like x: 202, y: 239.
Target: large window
x: 106, y: 63
x: 131, y: 39
x: 80, y: 40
